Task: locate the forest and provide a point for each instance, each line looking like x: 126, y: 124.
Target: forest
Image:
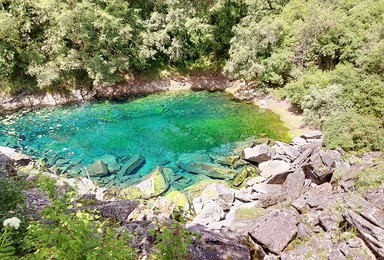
x: 326, y: 57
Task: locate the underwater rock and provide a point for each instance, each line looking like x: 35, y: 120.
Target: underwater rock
x: 154, y: 184
x: 240, y: 177
x: 97, y: 169
x: 211, y: 170
x: 258, y: 154
x: 111, y: 163
x: 131, y: 166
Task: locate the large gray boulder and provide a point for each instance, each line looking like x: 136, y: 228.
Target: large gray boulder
x: 258, y: 154
x: 275, y: 170
x: 209, y: 169
x: 131, y: 166
x: 293, y: 185
x: 368, y: 221
x: 220, y: 193
x: 111, y: 162
x: 18, y: 158
x: 212, y: 245
x: 210, y: 213
x: 285, y: 152
x: 97, y: 169
x: 276, y: 229
x: 312, y: 135
x: 321, y: 166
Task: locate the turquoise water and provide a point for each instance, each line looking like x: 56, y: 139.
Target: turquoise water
x: 164, y: 128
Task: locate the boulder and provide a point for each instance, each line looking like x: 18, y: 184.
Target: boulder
x: 154, y: 184
x: 197, y: 189
x: 368, y: 221
x: 276, y: 170
x: 97, y: 169
x: 209, y: 169
x: 212, y: 245
x: 312, y: 135
x: 220, y: 193
x: 179, y: 198
x: 131, y: 166
x: 298, y: 141
x: 265, y: 188
x: 240, y: 177
x: 241, y: 219
x: 372, y: 234
x: 119, y: 210
x: 321, y: 166
x: 111, y: 162
x: 258, y: 154
x: 210, y: 213
x: 330, y: 220
x: 285, y: 151
x: 293, y: 185
x: 276, y: 229
x: 245, y: 194
x: 15, y: 156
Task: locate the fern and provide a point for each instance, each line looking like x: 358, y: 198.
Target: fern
x: 7, y: 251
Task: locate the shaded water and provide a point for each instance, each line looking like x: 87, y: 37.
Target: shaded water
x: 161, y: 127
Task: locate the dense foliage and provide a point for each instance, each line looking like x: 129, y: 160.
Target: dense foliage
x: 324, y: 56
x: 67, y: 229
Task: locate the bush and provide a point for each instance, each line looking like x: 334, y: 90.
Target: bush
x: 12, y: 205
x: 320, y: 104
x: 354, y: 132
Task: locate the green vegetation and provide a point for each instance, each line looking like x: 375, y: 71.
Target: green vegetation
x: 371, y: 177
x: 66, y: 229
x: 324, y: 56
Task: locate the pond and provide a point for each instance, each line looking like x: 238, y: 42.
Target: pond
x: 163, y: 128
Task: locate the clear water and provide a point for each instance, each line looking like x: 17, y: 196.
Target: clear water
x: 164, y: 128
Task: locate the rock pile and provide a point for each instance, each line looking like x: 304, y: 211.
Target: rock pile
x: 264, y: 201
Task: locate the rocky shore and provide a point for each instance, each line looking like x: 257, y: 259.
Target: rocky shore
x: 135, y: 87
x: 266, y: 200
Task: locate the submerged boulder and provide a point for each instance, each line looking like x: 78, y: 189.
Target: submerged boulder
x: 111, y: 163
x: 131, y: 166
x: 211, y: 170
x: 97, y: 169
x: 154, y: 184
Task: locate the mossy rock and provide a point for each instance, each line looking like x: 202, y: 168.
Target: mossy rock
x: 240, y: 177
x: 179, y: 198
x: 154, y: 184
x: 130, y: 193
x: 197, y: 189
x: 244, y: 213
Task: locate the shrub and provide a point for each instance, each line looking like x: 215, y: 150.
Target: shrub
x: 320, y: 104
x: 354, y: 132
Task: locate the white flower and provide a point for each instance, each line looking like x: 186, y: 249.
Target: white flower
x: 12, y: 222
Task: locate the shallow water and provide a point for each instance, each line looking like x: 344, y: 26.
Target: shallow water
x: 163, y: 128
